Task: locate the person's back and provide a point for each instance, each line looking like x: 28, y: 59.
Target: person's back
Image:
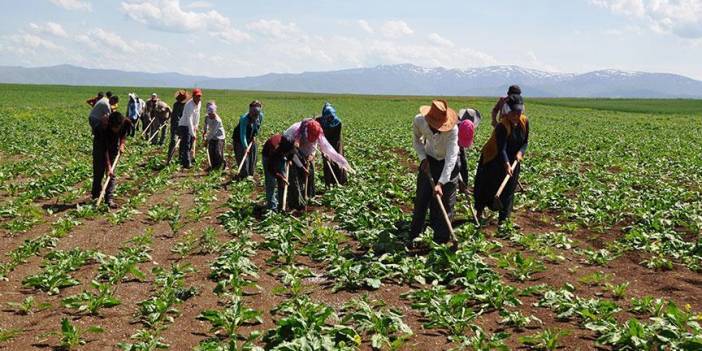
x: 101, y: 109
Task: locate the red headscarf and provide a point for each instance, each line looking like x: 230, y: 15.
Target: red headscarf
x: 313, y: 130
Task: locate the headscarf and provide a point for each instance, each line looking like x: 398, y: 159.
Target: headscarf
x: 211, y: 107
x: 466, y: 131
x: 329, y: 118
x: 312, y: 130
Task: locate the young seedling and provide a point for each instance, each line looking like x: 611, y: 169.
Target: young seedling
x: 546, y: 340
x: 28, y: 306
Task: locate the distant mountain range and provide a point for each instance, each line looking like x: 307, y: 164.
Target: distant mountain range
x: 402, y: 79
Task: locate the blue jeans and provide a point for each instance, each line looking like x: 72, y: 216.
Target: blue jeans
x: 271, y: 186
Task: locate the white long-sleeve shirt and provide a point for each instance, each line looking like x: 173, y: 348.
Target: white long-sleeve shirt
x: 440, y: 146
x: 191, y: 116
x: 214, y: 129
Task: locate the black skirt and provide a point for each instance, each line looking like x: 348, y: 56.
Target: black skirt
x: 488, y: 178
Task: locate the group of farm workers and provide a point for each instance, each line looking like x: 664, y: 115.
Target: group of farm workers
x: 440, y: 137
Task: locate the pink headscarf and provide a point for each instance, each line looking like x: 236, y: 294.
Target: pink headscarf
x: 466, y: 131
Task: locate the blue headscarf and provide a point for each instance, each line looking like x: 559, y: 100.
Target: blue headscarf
x: 329, y: 118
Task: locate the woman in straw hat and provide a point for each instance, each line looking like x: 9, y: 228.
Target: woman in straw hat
x: 509, y: 142
x: 436, y: 143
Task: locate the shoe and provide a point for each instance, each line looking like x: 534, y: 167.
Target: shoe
x: 111, y: 204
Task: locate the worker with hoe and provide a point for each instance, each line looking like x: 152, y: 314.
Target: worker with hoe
x: 293, y: 153
x: 436, y: 143
x: 188, y: 127
x: 244, y: 138
x: 181, y: 97
x: 109, y: 134
x: 331, y: 126
x: 499, y: 165
x: 148, y: 118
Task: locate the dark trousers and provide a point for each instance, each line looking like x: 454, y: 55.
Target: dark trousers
x: 132, y: 129
x: 172, y: 143
x: 250, y: 163
x: 215, y: 148
x: 162, y: 138
x: 186, y: 159
x: 145, y: 119
x: 425, y: 199
x: 99, y: 171
x: 299, y: 182
x: 487, y: 181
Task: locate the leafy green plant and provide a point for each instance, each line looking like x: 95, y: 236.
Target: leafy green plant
x: 618, y: 291
x: 145, y: 341
x: 304, y: 324
x: 517, y: 320
x: 546, y: 340
x: 92, y: 302
x: 385, y: 326
x: 28, y: 306
x: 596, y: 279
x: 9, y: 334
x: 71, y: 337
x: 57, y: 266
x: 230, y: 319
x: 520, y: 267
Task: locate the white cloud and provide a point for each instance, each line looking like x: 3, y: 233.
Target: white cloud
x: 273, y: 28
x: 167, y: 15
x: 100, y: 39
x: 52, y: 28
x: 679, y: 17
x: 73, y: 4
x: 395, y: 29
x: 199, y: 5
x: 365, y: 26
x: 441, y: 41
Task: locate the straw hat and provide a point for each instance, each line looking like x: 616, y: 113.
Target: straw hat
x: 439, y: 116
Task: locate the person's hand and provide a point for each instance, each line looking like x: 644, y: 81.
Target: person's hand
x: 121, y: 148
x: 282, y: 178
x: 462, y: 187
x: 520, y: 156
x: 508, y: 169
x: 111, y: 172
x: 438, y: 189
x: 310, y: 158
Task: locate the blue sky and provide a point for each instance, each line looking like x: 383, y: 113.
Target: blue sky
x: 243, y: 38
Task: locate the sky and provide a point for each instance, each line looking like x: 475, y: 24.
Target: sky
x: 246, y: 38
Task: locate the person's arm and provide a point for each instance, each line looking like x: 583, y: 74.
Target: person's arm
x: 417, y: 141
x: 451, y: 156
x: 496, y: 110
x: 501, y: 138
x: 206, y: 128
x: 196, y: 119
x: 524, y: 147
x: 243, y: 128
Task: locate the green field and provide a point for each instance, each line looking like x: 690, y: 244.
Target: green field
x: 607, y: 252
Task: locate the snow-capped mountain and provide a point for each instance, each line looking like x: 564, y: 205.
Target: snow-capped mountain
x: 403, y: 79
